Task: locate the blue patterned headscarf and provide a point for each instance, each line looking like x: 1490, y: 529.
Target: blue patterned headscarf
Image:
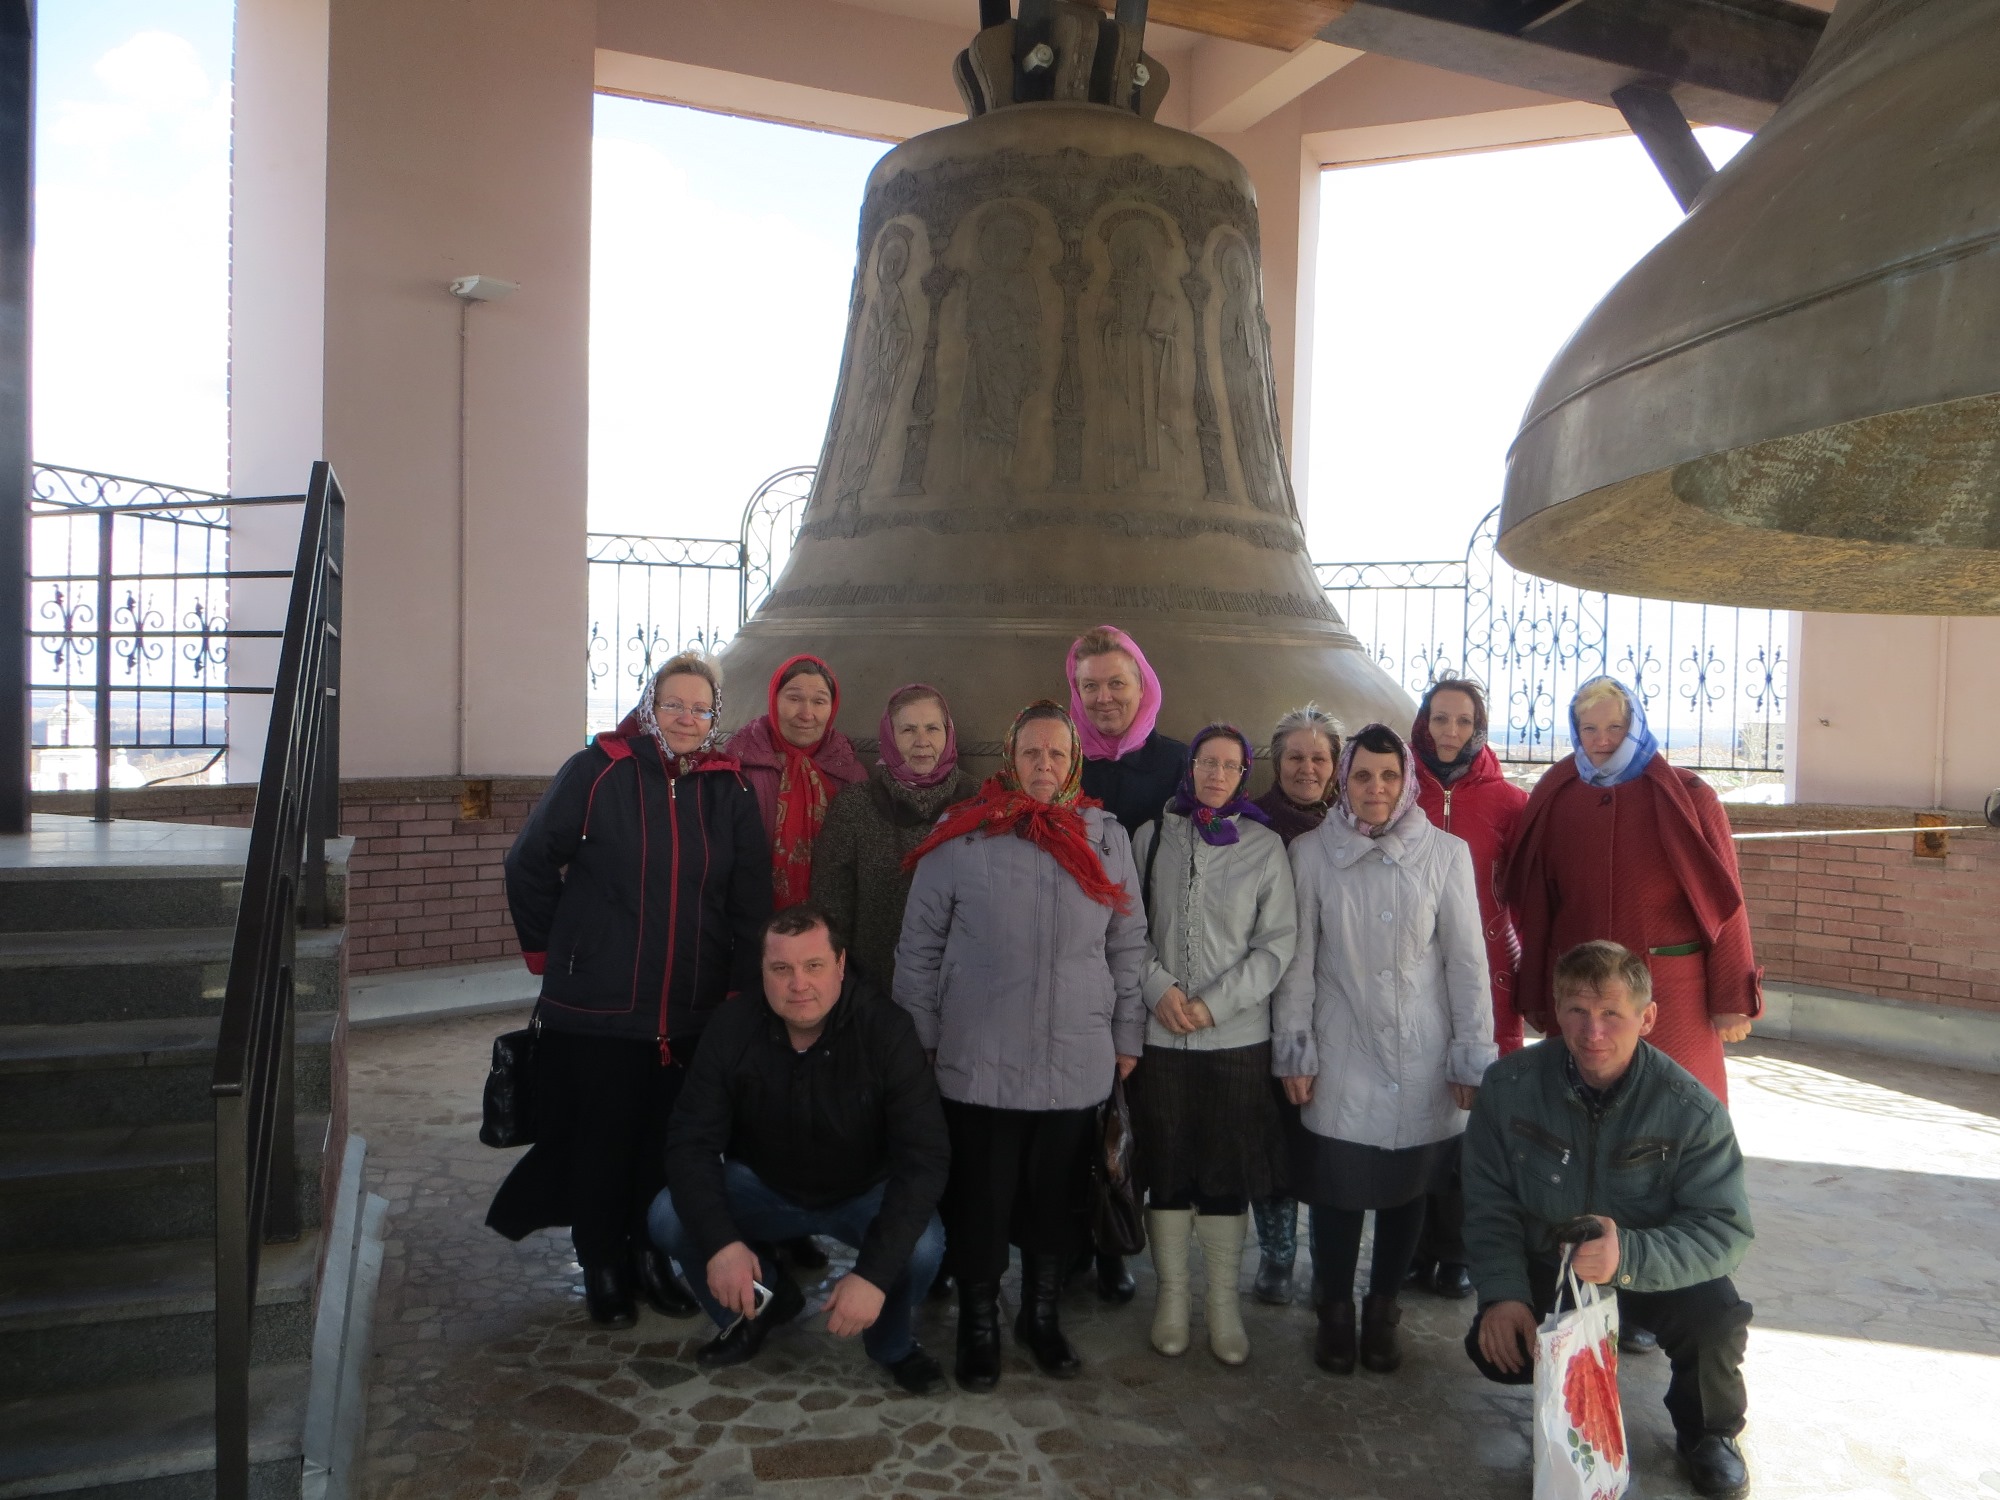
x: 1638, y: 747
x: 1217, y: 825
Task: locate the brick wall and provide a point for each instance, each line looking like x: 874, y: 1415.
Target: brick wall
x: 424, y: 885
x: 1859, y: 914
x: 1863, y: 914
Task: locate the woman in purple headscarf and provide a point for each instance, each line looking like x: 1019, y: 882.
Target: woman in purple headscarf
x: 1381, y: 1029
x: 857, y: 875
x: 1220, y: 919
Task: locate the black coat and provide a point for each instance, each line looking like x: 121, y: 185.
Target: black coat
x: 640, y: 897
x: 1136, y: 786
x: 819, y: 1127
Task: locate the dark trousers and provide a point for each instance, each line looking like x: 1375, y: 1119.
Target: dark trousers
x: 1019, y: 1175
x: 1703, y: 1330
x: 1443, y: 1238
x: 763, y: 1215
x: 616, y: 1100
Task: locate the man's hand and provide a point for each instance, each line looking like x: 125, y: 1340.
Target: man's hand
x: 1597, y: 1260
x: 732, y: 1276
x: 854, y: 1305
x: 1507, y: 1336
x: 1462, y: 1094
x: 1730, y: 1028
x: 1299, y: 1090
x: 1171, y: 1010
x: 1125, y: 1066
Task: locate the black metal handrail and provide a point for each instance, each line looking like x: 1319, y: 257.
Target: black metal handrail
x: 97, y: 625
x: 284, y: 886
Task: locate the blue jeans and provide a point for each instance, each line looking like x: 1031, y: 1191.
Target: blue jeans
x: 763, y: 1216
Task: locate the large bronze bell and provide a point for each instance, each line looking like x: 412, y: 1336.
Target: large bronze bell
x: 1056, y: 410
x: 1794, y: 400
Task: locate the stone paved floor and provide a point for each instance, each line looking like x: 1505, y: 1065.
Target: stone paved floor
x: 1874, y: 1361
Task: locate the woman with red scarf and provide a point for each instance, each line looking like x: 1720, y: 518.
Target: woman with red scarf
x: 796, y: 762
x: 1617, y: 844
x: 639, y: 886
x: 1022, y: 962
x: 1462, y: 789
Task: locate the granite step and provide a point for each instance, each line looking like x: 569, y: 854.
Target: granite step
x: 53, y: 977
x: 151, y: 1440
x: 71, y: 1321
x: 94, y: 1189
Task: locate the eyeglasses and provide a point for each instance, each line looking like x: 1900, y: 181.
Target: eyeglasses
x: 672, y: 710
x: 1226, y: 767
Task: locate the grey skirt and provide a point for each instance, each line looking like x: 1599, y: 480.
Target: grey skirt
x: 1206, y: 1123
x: 1346, y: 1174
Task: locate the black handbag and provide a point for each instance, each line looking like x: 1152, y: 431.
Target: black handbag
x: 1117, y: 1227
x: 509, y: 1105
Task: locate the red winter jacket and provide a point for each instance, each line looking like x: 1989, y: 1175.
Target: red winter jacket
x: 1484, y: 808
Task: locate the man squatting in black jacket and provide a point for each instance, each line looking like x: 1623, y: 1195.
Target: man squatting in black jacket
x: 809, y: 1110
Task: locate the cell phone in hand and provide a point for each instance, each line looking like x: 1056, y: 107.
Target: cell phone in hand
x: 763, y: 1295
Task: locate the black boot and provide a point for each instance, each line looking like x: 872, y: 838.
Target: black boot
x: 654, y: 1275
x: 608, y: 1297
x: 1114, y: 1282
x: 978, y: 1364
x: 1037, y: 1327
x: 1380, y: 1349
x: 941, y: 1287
x: 1333, y: 1345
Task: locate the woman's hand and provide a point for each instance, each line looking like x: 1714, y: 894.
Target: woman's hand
x: 1198, y: 1013
x: 1125, y: 1066
x: 1730, y: 1028
x: 1299, y: 1090
x: 1171, y: 1010
x: 1462, y: 1094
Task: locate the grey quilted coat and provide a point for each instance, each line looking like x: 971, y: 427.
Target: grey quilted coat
x: 1024, y: 987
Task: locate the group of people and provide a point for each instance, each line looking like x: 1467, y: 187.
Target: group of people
x: 787, y: 996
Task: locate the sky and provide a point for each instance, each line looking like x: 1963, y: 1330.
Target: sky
x: 722, y: 259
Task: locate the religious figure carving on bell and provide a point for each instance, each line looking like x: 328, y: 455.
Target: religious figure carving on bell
x: 1139, y: 342
x: 885, y: 349
x: 1003, y: 360
x: 1244, y: 362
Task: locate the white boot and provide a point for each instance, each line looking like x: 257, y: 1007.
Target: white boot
x: 1222, y: 1265
x: 1167, y: 1232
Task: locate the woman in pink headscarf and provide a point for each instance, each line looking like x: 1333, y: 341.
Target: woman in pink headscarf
x: 858, y: 878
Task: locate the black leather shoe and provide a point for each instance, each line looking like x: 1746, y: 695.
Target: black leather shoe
x: 608, y: 1298
x: 1637, y: 1341
x: 1333, y: 1345
x: 1420, y: 1273
x: 1451, y: 1281
x: 1114, y: 1282
x: 917, y: 1373
x: 1715, y: 1466
x: 657, y: 1283
x: 978, y: 1364
x: 1038, y: 1328
x: 804, y: 1253
x: 747, y: 1336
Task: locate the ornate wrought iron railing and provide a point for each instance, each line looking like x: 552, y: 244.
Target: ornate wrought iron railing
x: 284, y: 887
x: 1714, y: 679
x: 129, y: 625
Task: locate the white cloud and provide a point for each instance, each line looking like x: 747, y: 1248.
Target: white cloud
x: 155, y: 68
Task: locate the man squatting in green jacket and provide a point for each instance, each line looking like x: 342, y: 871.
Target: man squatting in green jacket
x: 1602, y: 1125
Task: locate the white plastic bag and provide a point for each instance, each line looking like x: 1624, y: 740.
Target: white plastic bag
x: 1579, y: 1425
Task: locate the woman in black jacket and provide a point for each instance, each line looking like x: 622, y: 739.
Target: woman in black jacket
x: 639, y: 886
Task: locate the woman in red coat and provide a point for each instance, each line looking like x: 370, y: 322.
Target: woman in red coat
x: 1462, y: 789
x: 1618, y: 844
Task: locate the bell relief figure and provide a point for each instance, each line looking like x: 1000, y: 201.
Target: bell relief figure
x: 1247, y: 381
x: 886, y: 340
x: 1003, y: 325
x: 1137, y: 342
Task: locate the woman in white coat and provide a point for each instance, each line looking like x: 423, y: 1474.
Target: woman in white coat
x: 1381, y: 1030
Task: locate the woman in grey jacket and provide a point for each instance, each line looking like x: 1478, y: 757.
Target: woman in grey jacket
x: 1222, y: 918
x: 1382, y: 1028
x: 1021, y: 962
